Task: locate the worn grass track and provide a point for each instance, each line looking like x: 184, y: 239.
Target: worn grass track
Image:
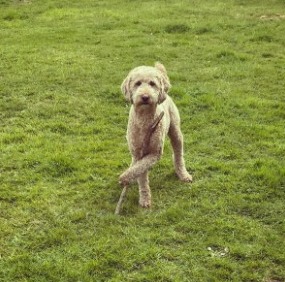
x: 62, y: 141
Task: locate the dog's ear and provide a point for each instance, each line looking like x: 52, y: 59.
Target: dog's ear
x: 126, y: 89
x: 164, y: 82
x: 160, y: 67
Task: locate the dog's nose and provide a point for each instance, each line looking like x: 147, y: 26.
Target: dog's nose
x: 145, y: 98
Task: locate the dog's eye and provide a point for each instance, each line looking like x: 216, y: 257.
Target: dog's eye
x: 138, y: 83
x: 152, y: 84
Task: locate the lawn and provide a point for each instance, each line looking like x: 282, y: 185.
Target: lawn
x: 62, y: 141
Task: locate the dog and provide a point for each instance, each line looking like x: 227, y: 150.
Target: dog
x: 146, y: 88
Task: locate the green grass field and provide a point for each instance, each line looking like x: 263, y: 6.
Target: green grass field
x: 62, y: 141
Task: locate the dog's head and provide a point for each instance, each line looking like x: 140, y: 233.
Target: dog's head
x: 146, y: 85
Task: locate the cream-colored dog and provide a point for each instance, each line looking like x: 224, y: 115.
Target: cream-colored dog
x: 146, y: 88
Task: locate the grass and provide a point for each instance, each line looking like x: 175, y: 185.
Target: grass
x: 62, y: 141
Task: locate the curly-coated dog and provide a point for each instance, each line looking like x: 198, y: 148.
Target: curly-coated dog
x: 146, y: 88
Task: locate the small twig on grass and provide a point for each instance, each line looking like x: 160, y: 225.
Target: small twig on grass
x: 144, y: 151
x: 120, y: 202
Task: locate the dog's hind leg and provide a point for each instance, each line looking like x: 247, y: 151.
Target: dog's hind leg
x: 176, y: 139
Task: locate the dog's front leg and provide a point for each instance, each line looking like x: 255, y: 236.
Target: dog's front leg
x: 138, y: 168
x: 145, y: 194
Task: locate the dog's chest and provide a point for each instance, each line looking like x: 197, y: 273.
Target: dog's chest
x: 140, y: 139
x: 136, y: 136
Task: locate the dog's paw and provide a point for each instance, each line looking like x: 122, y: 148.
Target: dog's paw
x: 145, y: 202
x: 186, y: 177
x: 123, y: 180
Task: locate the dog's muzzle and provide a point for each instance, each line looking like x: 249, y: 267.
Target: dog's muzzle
x: 145, y: 99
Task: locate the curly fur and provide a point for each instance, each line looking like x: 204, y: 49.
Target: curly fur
x: 146, y: 88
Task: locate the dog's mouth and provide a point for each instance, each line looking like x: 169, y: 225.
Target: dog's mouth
x: 145, y: 100
x: 144, y: 104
